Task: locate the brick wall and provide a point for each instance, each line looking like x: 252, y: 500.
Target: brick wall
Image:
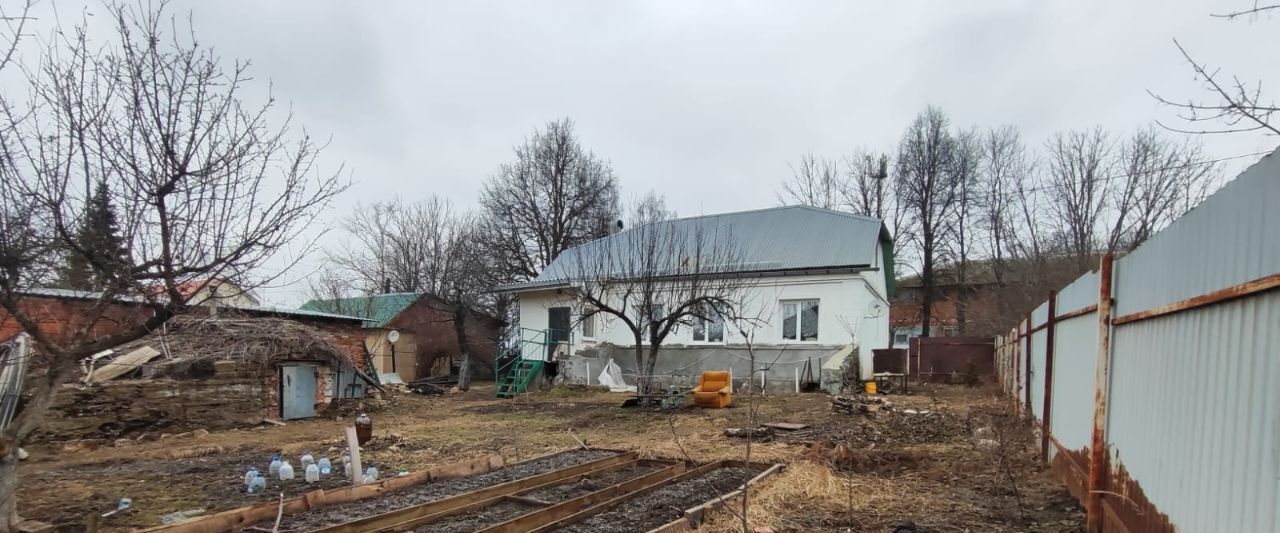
x: 60, y: 319
x: 435, y: 338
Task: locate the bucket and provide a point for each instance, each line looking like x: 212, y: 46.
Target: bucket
x: 869, y: 387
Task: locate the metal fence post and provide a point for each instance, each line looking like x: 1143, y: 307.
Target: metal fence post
x: 1027, y: 378
x: 1102, y: 379
x: 1048, y: 376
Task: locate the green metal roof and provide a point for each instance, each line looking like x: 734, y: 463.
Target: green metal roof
x: 377, y: 310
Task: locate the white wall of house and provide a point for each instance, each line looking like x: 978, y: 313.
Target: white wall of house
x: 851, y: 309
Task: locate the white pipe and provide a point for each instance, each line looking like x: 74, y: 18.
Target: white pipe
x: 588, y: 372
x: 797, y: 369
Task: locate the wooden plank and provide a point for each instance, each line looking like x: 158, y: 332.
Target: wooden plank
x: 599, y: 508
x: 238, y: 518
x: 353, y: 448
x: 787, y: 426
x: 414, y: 516
x: 123, y: 365
x: 574, y: 507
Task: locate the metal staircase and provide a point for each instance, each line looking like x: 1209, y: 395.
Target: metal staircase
x: 518, y: 378
x: 520, y: 359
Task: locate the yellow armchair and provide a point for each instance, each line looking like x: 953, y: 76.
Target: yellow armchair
x: 714, y: 390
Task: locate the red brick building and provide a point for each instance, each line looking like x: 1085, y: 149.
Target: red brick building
x: 427, y: 343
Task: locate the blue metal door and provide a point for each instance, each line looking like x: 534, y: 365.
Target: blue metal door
x: 297, y: 392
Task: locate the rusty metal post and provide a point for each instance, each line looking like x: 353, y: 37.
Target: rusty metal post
x: 1027, y: 377
x: 1048, y: 376
x: 1102, y: 382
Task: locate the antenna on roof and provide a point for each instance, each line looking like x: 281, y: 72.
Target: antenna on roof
x: 617, y: 226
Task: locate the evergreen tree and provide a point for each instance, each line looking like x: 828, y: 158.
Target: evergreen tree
x: 99, y: 252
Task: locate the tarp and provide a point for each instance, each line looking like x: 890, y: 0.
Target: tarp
x: 612, y: 377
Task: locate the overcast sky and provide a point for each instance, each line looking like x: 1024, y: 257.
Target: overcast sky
x: 706, y: 103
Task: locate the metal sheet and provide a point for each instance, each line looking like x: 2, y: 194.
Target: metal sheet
x: 1074, y: 352
x: 1037, y: 372
x: 1227, y: 240
x: 1193, y: 416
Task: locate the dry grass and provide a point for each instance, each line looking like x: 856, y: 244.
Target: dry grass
x: 939, y: 484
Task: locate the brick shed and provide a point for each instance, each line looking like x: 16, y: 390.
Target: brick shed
x: 210, y: 373
x: 60, y: 313
x: 427, y: 344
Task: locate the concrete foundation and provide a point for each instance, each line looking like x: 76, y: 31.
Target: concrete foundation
x: 682, y: 365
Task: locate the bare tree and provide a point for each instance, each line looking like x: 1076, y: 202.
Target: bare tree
x: 656, y: 277
x: 815, y: 181
x: 465, y: 280
x: 205, y: 186
x: 928, y: 187
x: 1160, y: 180
x: 960, y: 242
x: 553, y: 196
x: 870, y: 192
x: 1003, y: 169
x: 1078, y: 163
x: 397, y: 246
x: 651, y: 207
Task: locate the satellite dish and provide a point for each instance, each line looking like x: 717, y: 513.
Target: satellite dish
x: 875, y: 310
x: 393, y: 336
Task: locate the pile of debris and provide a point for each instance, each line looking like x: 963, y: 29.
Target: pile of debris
x: 859, y: 403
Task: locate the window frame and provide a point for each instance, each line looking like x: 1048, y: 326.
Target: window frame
x: 799, y: 327
x: 588, y: 319
x: 706, y: 330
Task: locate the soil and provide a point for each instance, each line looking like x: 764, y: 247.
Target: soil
x: 587, y: 485
x: 663, y: 505
x: 478, y: 519
x: 428, y: 492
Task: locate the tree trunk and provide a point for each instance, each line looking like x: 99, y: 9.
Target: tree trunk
x: 642, y: 378
x: 650, y: 364
x: 926, y: 303
x: 460, y: 329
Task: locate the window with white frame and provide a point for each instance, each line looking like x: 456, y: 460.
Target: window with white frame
x: 589, y: 326
x: 800, y: 320
x: 901, y: 337
x: 708, y: 330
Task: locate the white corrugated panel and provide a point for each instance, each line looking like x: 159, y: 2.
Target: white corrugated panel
x: 1227, y: 240
x: 1193, y: 413
x: 1194, y: 405
x: 1037, y: 372
x: 1074, y: 355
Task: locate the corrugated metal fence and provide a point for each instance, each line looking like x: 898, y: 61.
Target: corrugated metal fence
x: 1156, y: 378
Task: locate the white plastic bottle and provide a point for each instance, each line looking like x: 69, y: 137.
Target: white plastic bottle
x: 307, y: 459
x: 249, y: 475
x: 346, y: 466
x: 259, y: 483
x: 326, y: 467
x: 371, y: 474
x: 312, y: 473
x: 286, y: 471
x: 274, y: 469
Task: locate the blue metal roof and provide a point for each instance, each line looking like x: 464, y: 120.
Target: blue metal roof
x: 778, y: 238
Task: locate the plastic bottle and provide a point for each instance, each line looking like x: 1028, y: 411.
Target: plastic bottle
x: 364, y: 429
x: 346, y: 465
x: 259, y: 483
x: 307, y: 459
x: 274, y: 469
x: 249, y: 474
x: 312, y: 473
x: 286, y: 471
x: 403, y: 472
x: 372, y: 472
x: 326, y: 467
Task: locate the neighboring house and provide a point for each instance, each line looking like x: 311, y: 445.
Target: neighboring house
x: 426, y: 344
x: 992, y: 303
x: 819, y: 284
x: 217, y: 292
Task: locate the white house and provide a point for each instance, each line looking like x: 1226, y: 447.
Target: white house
x: 818, y: 284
